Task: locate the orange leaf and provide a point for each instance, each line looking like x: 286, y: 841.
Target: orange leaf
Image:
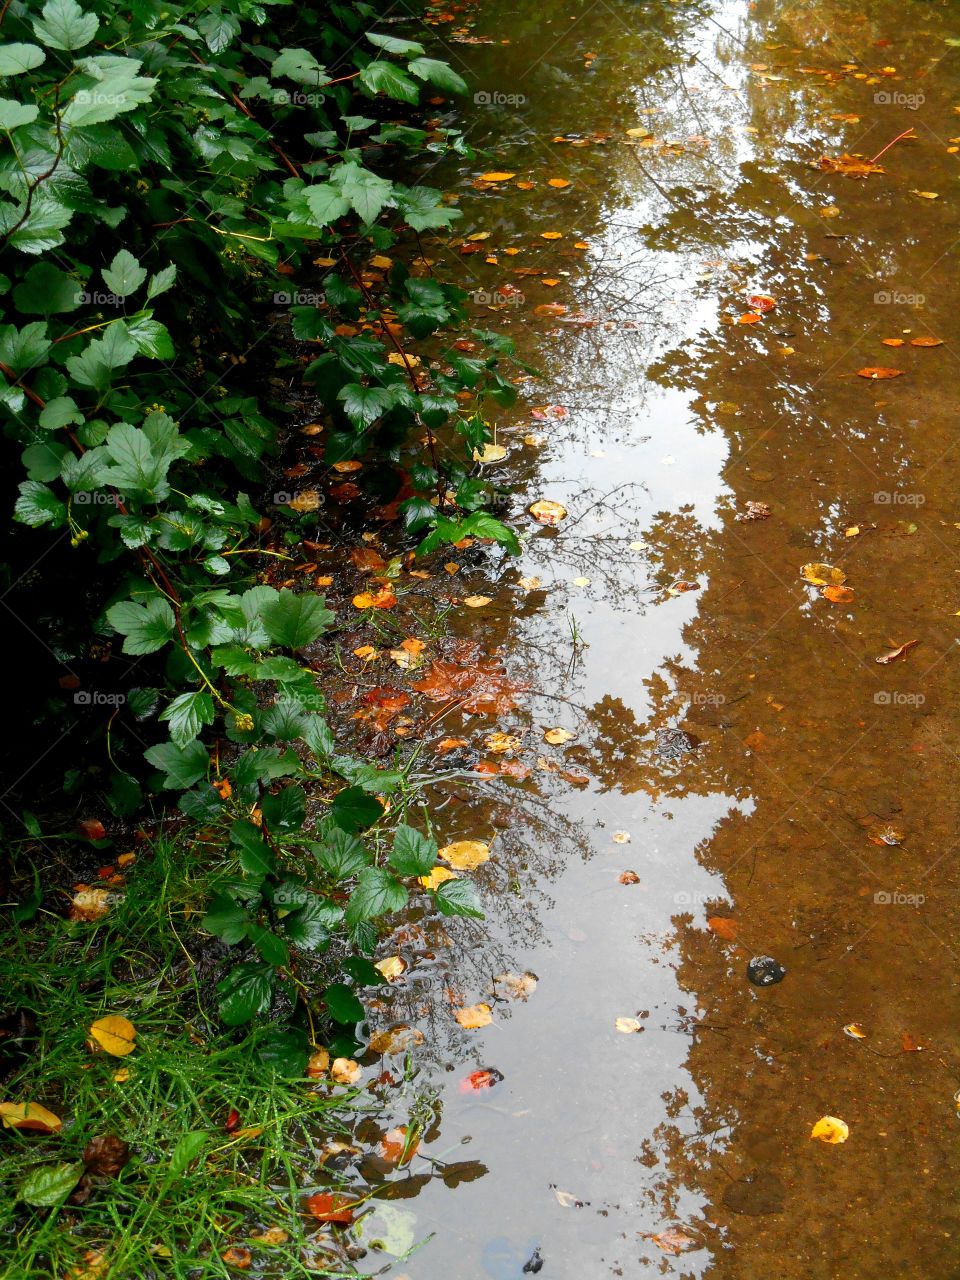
x: 926, y: 342
x: 331, y: 1206
x: 892, y: 342
x: 897, y: 652
x: 724, y: 927
x: 557, y: 182
x: 838, y: 595
x: 496, y: 176
x: 876, y: 372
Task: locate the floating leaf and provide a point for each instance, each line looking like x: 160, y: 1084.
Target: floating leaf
x: 477, y: 1081
x: 830, y: 1129
x: 898, y: 652
x: 837, y: 595
x: 465, y: 855
x: 345, y: 1071
x: 516, y: 986
x: 496, y: 176
x: 879, y: 372
x: 823, y: 575
x: 500, y: 743
x: 556, y: 737
x: 115, y: 1035
x: 724, y: 927
x: 761, y: 302
x: 331, y: 1206
x: 397, y: 1147
x: 391, y: 967
x: 398, y: 1039
x: 673, y: 1241
x: 926, y: 342
x: 628, y: 877
x: 628, y: 1026
x: 436, y: 877
x: 474, y: 1016
x: 854, y: 1031
x: 489, y: 453
x: 547, y: 512
x: 477, y: 602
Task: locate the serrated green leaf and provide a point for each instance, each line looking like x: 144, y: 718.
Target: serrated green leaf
x: 146, y: 627
x: 245, y: 992
x: 377, y: 892
x: 295, y: 619
x: 64, y: 25
x: 16, y: 58
x: 413, y: 853
x: 187, y: 714
x: 438, y: 73
x: 341, y: 854
x: 13, y: 114
x: 342, y: 1005
x: 38, y: 505
x: 50, y: 1184
x: 458, y: 898
x: 182, y: 766
x: 226, y: 919
x: 124, y: 274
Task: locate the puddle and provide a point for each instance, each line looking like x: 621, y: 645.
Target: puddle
x: 684, y: 1147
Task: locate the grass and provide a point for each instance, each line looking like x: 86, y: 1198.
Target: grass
x: 169, y: 1212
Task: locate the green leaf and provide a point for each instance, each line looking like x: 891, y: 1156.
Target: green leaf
x: 299, y: 65
x: 24, y: 349
x: 146, y: 627
x: 187, y: 714
x: 64, y: 25
x: 226, y: 919
x: 115, y: 89
x: 43, y: 461
x: 354, y: 810
x: 392, y: 44
x: 219, y: 30
x: 188, y: 1147
x: 326, y: 203
x: 285, y: 811
x: 245, y: 992
x: 295, y: 620
x: 124, y: 274
x: 285, y: 1052
x: 50, y: 1184
x: 341, y: 854
x: 60, y: 412
x: 17, y: 58
x: 183, y: 766
x: 439, y: 73
x: 38, y: 505
x: 272, y: 950
x: 458, y: 898
x: 413, y: 853
x: 143, y: 456
x: 162, y: 281
x: 377, y: 892
x: 256, y: 857
x: 363, y: 971
x: 309, y: 926
x: 40, y: 229
x: 46, y: 290
x: 14, y: 114
x: 94, y: 366
x: 365, y: 192
x: 364, y: 405
x: 342, y: 1005
x: 385, y: 77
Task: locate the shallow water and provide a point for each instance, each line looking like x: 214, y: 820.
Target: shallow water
x: 656, y: 421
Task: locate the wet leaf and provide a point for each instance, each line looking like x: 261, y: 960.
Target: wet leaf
x: 823, y: 575
x: 761, y: 302
x: 318, y: 1063
x: 382, y: 599
x: 500, y: 743
x: 556, y: 737
x: 437, y: 877
x: 331, y: 1206
x: 926, y: 195
x: 106, y: 1155
x: 673, y: 1241
x: 751, y: 317
x: 49, y: 1184
x: 237, y: 1256
x: 474, y: 1016
x: 515, y: 986
x: 90, y: 904
x: 755, y: 511
x: 830, y: 1129
x: 398, y: 1147
x: 115, y: 1035
x: 398, y: 1039
x: 29, y: 1116
x: 854, y: 1031
x: 465, y: 855
x: 345, y: 1071
x: 478, y: 1081
x: 477, y: 602
x: 926, y: 342
x: 850, y: 166
x: 892, y: 342
x: 628, y: 877
x: 559, y: 183
x: 628, y: 1026
x: 480, y: 684
x: 878, y: 372
x: 898, y: 652
x: 621, y: 837
x: 724, y: 927
x: 496, y: 176
x: 838, y: 595
x: 909, y: 1043
x: 490, y: 453
x: 547, y: 512
x: 272, y: 1236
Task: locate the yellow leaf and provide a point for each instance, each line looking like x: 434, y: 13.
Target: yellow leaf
x: 391, y: 967
x: 518, y: 986
x: 28, y: 1115
x: 381, y: 263
x: 465, y: 855
x: 436, y: 877
x: 477, y: 602
x: 627, y: 1026
x: 346, y: 1071
x: 489, y: 453
x: 308, y: 500
x: 499, y: 743
x: 496, y: 177
x: 551, y: 235
x: 115, y: 1035
x: 557, y: 736
x: 396, y: 1039
x: 830, y: 1129
x: 547, y: 512
x: 318, y: 1063
x: 926, y: 195
x: 823, y: 575
x: 855, y: 1031
x: 474, y: 1016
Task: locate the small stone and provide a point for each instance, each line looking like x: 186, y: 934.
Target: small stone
x: 764, y: 971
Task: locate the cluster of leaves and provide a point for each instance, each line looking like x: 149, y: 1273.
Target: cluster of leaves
x: 219, y: 153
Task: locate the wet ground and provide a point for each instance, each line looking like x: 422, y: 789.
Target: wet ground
x: 666, y: 163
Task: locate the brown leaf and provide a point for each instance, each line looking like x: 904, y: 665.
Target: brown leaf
x: 878, y: 372
x: 480, y: 684
x: 673, y: 1241
x: 909, y: 1044
x: 629, y: 877
x: 755, y: 511
x: 106, y: 1155
x: 724, y: 927
x: 850, y: 166
x: 926, y: 342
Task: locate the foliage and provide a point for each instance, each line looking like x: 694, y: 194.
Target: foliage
x: 168, y: 174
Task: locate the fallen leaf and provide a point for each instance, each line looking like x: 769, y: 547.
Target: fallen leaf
x: 909, y: 1044
x: 489, y: 453
x: 398, y: 1039
x: 496, y: 176
x: 627, y: 1026
x: 830, y: 1129
x: 557, y: 736
x: 892, y: 342
x: 673, y: 1241
x: 331, y: 1206
x: 551, y: 235
x: 437, y: 877
x: 761, y: 302
x: 106, y: 1155
x: 477, y: 1081
x: 382, y: 599
x: 474, y: 1016
x: 477, y: 602
x: 397, y: 1148
x: 558, y: 182
x: 854, y: 1031
x: 897, y: 652
x: 29, y: 1116
x: 724, y: 927
x: 838, y: 595
x: 90, y: 904
x: 823, y: 575
x: 465, y: 855
x: 272, y: 1236
x: 318, y: 1063
x: 751, y: 317
x: 629, y: 877
x: 926, y: 195
x: 926, y: 342
x: 480, y: 684
x: 391, y: 967
x: 345, y: 1071
x: 872, y: 372
x: 849, y: 166
x: 237, y: 1256
x: 621, y: 837
x: 499, y: 743
x: 755, y: 511
x: 305, y: 500
x: 115, y: 1035
x: 515, y: 986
